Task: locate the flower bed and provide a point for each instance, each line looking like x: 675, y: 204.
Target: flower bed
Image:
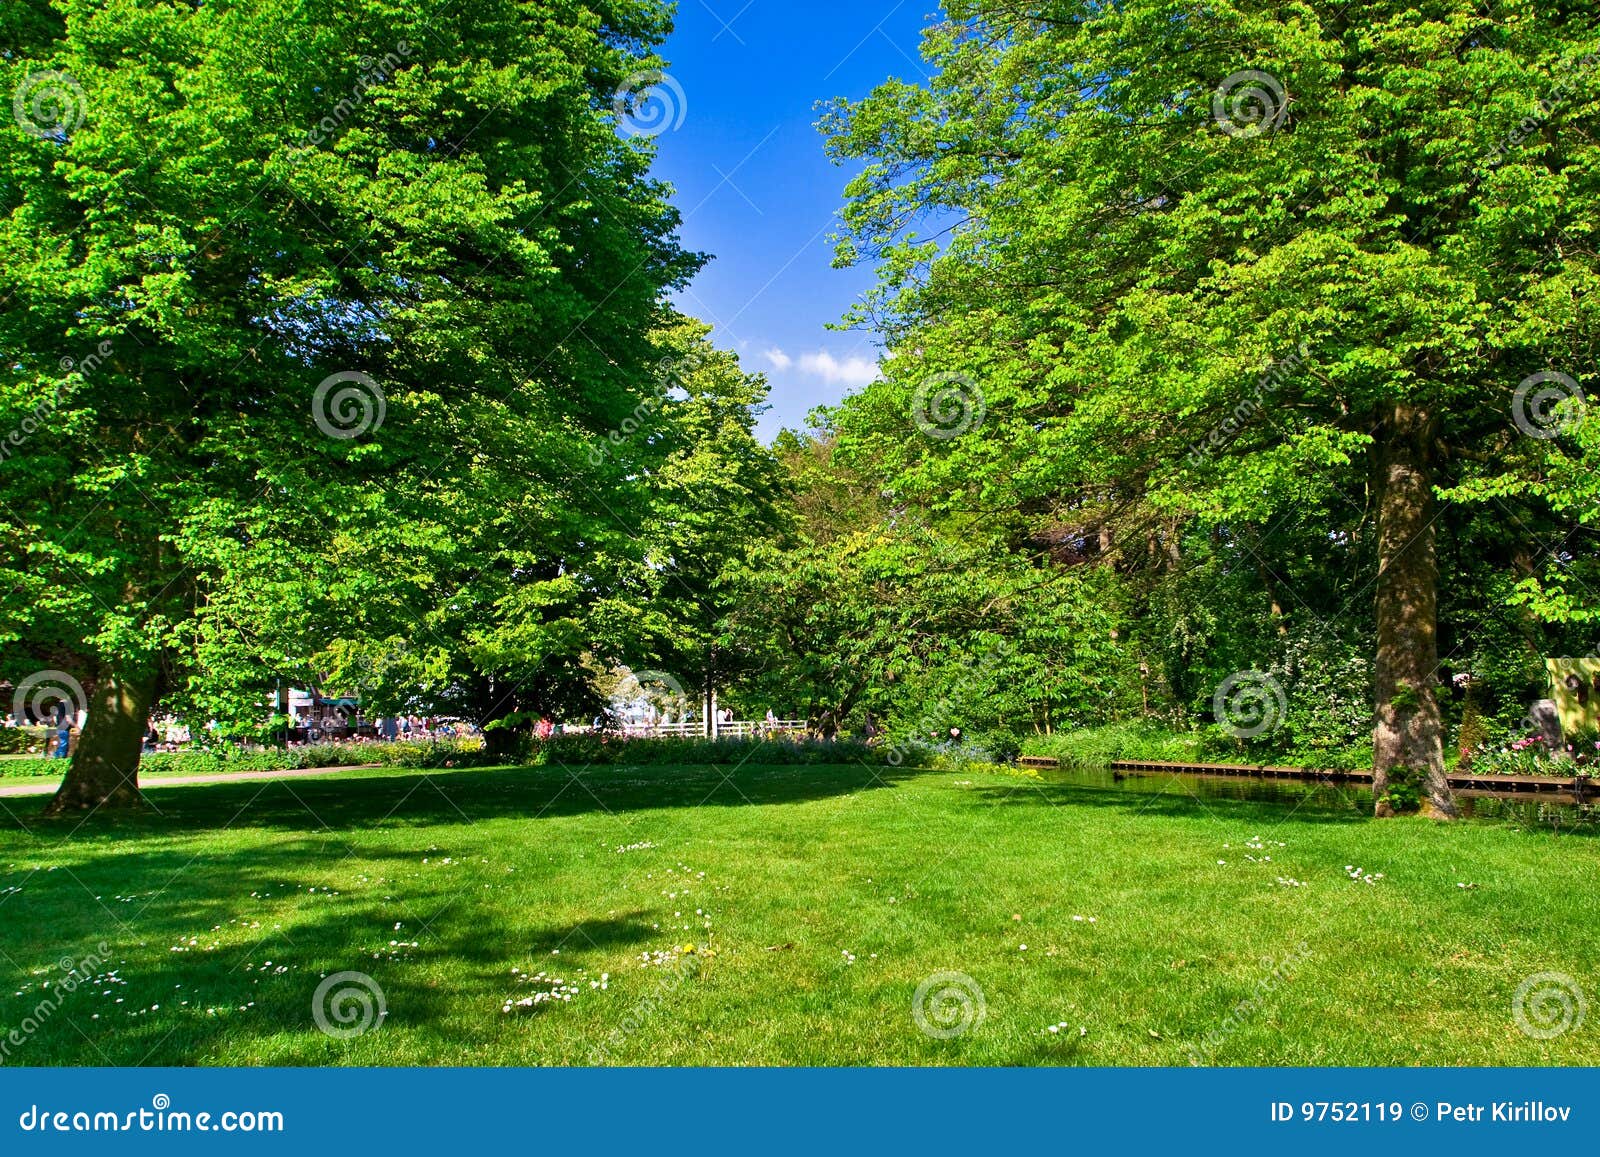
x: 215, y: 760
x: 1531, y: 755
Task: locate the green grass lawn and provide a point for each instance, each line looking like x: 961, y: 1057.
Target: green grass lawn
x: 30, y: 780
x: 145, y: 777
x: 147, y: 774
x: 817, y: 900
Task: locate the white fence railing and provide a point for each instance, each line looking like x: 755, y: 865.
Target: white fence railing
x: 696, y: 729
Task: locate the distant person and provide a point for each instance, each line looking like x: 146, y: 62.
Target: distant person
x: 64, y: 734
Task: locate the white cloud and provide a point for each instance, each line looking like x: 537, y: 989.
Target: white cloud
x: 779, y: 359
x: 852, y: 371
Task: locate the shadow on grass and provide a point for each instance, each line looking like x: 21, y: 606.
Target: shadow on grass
x: 1276, y: 802
x: 441, y: 992
x: 329, y: 806
x: 1181, y: 799
x: 350, y: 803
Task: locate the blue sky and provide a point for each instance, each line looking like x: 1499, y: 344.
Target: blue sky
x: 758, y: 193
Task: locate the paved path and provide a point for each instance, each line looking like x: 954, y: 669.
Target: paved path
x: 174, y: 780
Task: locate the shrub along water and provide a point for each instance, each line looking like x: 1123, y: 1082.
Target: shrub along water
x: 1099, y: 746
x: 597, y: 749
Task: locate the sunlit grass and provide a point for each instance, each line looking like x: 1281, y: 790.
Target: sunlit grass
x: 816, y: 901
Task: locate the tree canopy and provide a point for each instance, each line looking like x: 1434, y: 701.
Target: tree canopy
x: 1266, y: 308
x: 1236, y: 359
x: 312, y: 316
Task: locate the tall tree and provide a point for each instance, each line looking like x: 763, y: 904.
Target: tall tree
x: 714, y: 494
x: 309, y: 310
x: 1232, y: 259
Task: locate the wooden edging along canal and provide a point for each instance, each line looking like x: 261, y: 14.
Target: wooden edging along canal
x: 1578, y: 786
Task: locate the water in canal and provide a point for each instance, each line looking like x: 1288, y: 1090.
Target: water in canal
x: 1555, y: 811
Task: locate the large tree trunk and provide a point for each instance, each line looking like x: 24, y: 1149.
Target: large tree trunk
x: 499, y: 699
x: 105, y: 767
x: 1408, y: 734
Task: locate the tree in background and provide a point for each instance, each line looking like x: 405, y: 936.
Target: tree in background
x: 310, y: 316
x: 872, y: 607
x: 712, y: 494
x: 1196, y: 269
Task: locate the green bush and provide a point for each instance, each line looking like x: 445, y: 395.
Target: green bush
x: 1099, y: 746
x: 580, y: 750
x: 22, y: 768
x: 1404, y: 792
x: 1138, y: 740
x: 216, y: 760
x: 23, y: 740
x: 566, y: 750
x: 1473, y: 734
